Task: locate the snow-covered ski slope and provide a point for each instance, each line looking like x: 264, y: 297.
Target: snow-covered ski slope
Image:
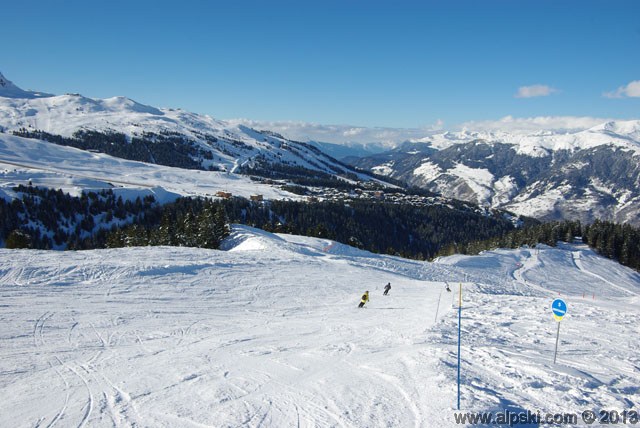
x: 267, y: 333
x: 45, y: 164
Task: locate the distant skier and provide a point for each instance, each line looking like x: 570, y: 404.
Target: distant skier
x: 386, y: 289
x: 447, y: 288
x: 365, y: 299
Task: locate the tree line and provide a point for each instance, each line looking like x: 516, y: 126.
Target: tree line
x: 50, y: 219
x: 189, y: 222
x: 620, y: 242
x: 397, y: 229
x: 163, y: 148
x: 410, y: 231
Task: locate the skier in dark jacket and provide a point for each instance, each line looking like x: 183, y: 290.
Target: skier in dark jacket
x: 386, y: 289
x: 365, y: 299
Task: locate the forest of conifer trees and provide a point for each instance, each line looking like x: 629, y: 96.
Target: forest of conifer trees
x: 619, y: 242
x: 50, y: 219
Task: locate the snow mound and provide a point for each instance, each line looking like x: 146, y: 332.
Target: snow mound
x: 246, y: 238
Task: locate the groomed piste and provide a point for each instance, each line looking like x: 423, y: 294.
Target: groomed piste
x: 267, y: 332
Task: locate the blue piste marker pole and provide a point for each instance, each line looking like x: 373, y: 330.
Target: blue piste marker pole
x: 459, y: 330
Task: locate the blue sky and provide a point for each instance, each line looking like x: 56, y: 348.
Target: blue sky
x: 367, y: 63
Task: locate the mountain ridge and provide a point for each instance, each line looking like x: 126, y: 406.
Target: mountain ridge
x: 580, y: 182
x: 216, y: 144
x: 10, y: 90
x: 621, y: 133
x: 584, y: 174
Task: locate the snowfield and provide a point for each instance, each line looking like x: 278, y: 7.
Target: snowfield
x: 267, y: 333
x: 43, y: 164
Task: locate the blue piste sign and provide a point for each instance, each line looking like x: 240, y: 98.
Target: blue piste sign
x: 559, y: 308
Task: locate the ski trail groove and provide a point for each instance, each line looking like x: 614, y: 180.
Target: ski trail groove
x: 104, y: 344
x: 89, y: 404
x: 66, y: 399
x: 577, y: 260
x: 393, y: 382
x: 75, y: 324
x: 38, y: 327
x: 518, y: 274
x: 120, y: 403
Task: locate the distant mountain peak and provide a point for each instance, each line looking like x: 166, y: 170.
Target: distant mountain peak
x: 9, y: 90
x: 628, y: 128
x: 7, y: 84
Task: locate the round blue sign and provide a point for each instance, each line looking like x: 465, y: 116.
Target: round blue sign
x: 559, y: 308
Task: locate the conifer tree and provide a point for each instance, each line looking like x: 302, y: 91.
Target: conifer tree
x: 221, y: 227
x: 18, y: 239
x: 206, y: 227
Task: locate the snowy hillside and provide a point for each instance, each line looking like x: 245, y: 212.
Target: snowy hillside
x: 582, y: 175
x: 214, y: 144
x: 267, y: 333
x: 48, y: 165
x: 9, y: 90
x: 623, y: 134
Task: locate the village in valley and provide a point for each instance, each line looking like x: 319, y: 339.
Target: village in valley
x: 361, y: 191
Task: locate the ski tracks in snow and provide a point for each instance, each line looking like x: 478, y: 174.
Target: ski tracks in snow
x: 84, y: 386
x: 529, y: 263
x: 38, y: 336
x: 44, y: 348
x: 274, y: 338
x: 577, y: 260
x: 88, y: 407
x: 66, y: 399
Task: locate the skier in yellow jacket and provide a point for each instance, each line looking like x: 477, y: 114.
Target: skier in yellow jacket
x: 365, y: 299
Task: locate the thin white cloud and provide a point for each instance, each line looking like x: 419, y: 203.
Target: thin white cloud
x: 340, y: 134
x: 534, y: 91
x: 390, y: 137
x: 512, y: 124
x: 632, y: 90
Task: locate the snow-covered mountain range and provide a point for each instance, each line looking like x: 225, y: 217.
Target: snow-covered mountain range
x: 624, y: 134
x: 593, y: 173
x: 586, y: 174
x: 210, y: 143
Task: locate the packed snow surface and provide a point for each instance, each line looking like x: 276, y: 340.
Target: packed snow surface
x: 267, y: 333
